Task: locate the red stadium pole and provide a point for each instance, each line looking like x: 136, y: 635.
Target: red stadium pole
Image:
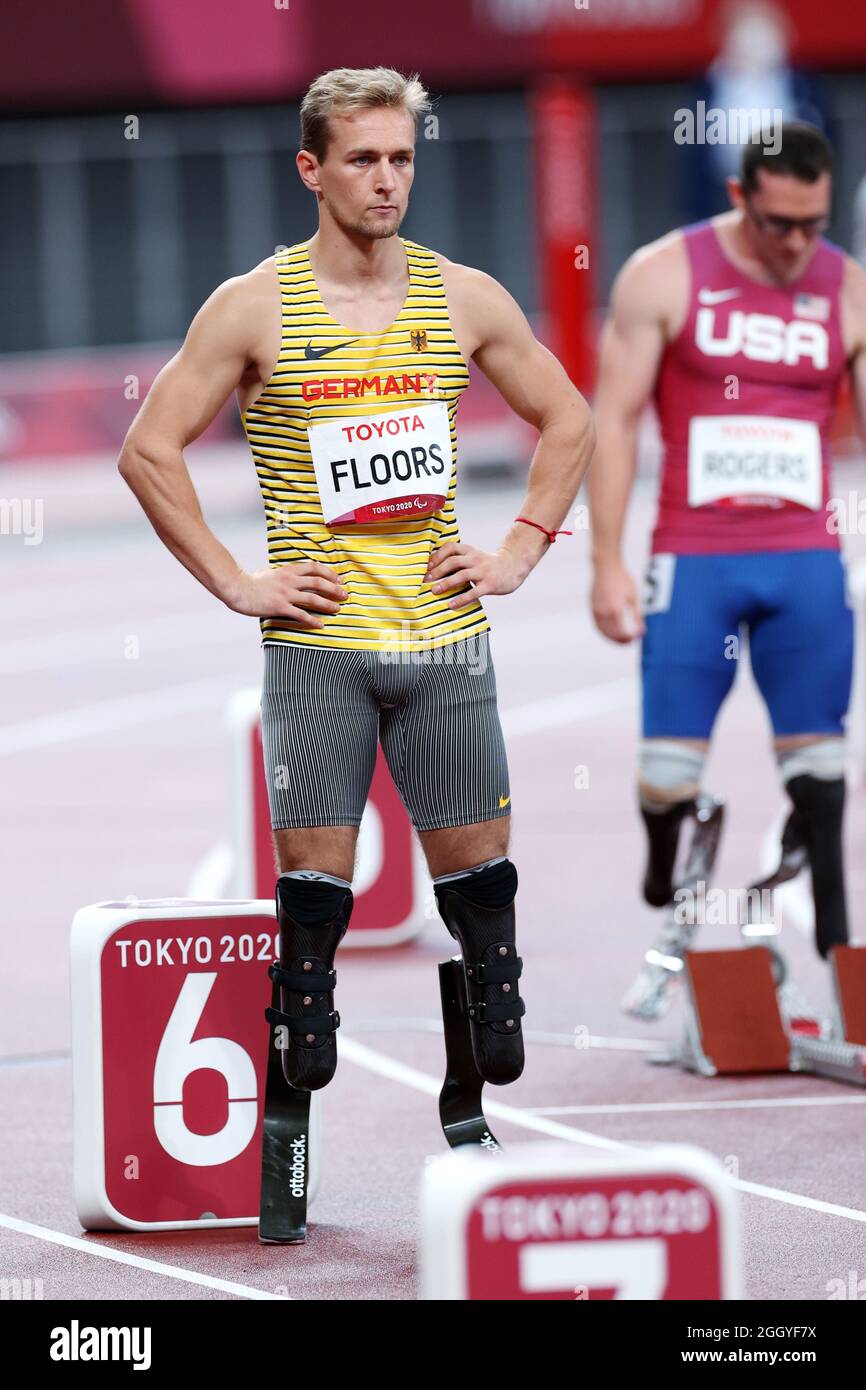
x: 564, y: 128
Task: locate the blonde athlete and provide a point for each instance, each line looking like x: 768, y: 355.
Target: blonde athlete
x: 349, y: 353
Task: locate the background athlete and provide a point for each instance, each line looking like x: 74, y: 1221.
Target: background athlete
x: 741, y: 331
x: 348, y: 354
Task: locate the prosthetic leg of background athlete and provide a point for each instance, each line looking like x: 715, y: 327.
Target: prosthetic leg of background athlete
x: 813, y: 776
x: 800, y: 645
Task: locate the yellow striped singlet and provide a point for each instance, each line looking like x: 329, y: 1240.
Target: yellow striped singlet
x: 327, y: 372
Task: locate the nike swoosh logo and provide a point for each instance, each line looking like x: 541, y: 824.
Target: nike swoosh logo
x: 718, y: 296
x: 503, y: 802
x: 315, y: 353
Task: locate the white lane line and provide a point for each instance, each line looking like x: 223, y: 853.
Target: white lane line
x: 659, y: 1107
x: 532, y: 1035
x: 569, y: 707
x: 34, y: 1059
x: 169, y: 701
x: 87, y: 646
x: 105, y: 1252
x: 526, y: 1119
x: 595, y: 1042
x: 106, y: 715
x: 512, y: 638
x: 167, y: 632
x: 795, y: 1199
x: 431, y: 1085
x: 392, y: 1025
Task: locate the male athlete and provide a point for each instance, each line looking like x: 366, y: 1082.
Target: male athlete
x: 741, y: 331
x: 349, y: 353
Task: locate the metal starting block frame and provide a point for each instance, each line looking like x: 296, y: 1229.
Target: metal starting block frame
x: 651, y: 994
x: 842, y: 1058
x: 734, y: 1025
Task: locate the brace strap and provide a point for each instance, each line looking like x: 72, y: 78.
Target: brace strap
x: 496, y: 972
x: 497, y: 1013
x: 310, y: 1023
x: 303, y: 981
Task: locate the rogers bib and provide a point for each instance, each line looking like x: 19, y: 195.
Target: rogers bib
x: 390, y: 465
x: 749, y: 459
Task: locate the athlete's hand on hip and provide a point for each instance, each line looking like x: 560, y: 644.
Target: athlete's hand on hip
x: 454, y: 565
x: 296, y: 591
x: 615, y: 604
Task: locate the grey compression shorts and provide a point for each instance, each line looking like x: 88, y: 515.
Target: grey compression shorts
x: 324, y: 711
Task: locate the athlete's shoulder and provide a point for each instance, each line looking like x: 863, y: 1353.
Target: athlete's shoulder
x: 287, y: 261
x: 665, y: 251
x: 853, y: 297
x: 829, y: 265
x: 481, y: 309
x: 471, y: 284
x: 239, y: 310
x: 833, y: 247
x: 651, y: 276
x: 241, y: 293
x: 853, y: 276
x: 229, y: 307
x: 263, y: 279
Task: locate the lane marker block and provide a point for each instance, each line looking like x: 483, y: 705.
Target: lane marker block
x: 169, y: 1055
x: 541, y: 1221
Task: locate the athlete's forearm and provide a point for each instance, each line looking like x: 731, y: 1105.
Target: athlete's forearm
x: 561, y: 459
x: 609, y: 488
x: 163, y: 486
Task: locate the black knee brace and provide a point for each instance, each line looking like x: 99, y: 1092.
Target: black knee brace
x: 478, y: 910
x: 819, y: 807
x: 313, y: 916
x: 663, y: 831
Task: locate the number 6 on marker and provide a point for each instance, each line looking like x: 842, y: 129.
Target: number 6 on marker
x: 178, y: 1057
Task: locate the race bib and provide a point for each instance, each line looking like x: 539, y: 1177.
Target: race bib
x: 754, y: 460
x: 658, y: 584
x: 382, y: 467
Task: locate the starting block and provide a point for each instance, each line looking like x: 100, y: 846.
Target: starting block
x: 849, y: 982
x: 169, y: 1057
x: 842, y: 1058
x: 734, y: 1024
x: 544, y: 1221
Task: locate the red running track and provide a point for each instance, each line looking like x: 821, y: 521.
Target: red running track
x: 113, y: 784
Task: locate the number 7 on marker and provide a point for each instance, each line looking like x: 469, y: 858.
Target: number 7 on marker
x: 637, y: 1269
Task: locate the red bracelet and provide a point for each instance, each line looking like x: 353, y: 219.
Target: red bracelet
x: 551, y: 535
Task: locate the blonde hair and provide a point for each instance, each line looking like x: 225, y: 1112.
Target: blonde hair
x: 356, y: 89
